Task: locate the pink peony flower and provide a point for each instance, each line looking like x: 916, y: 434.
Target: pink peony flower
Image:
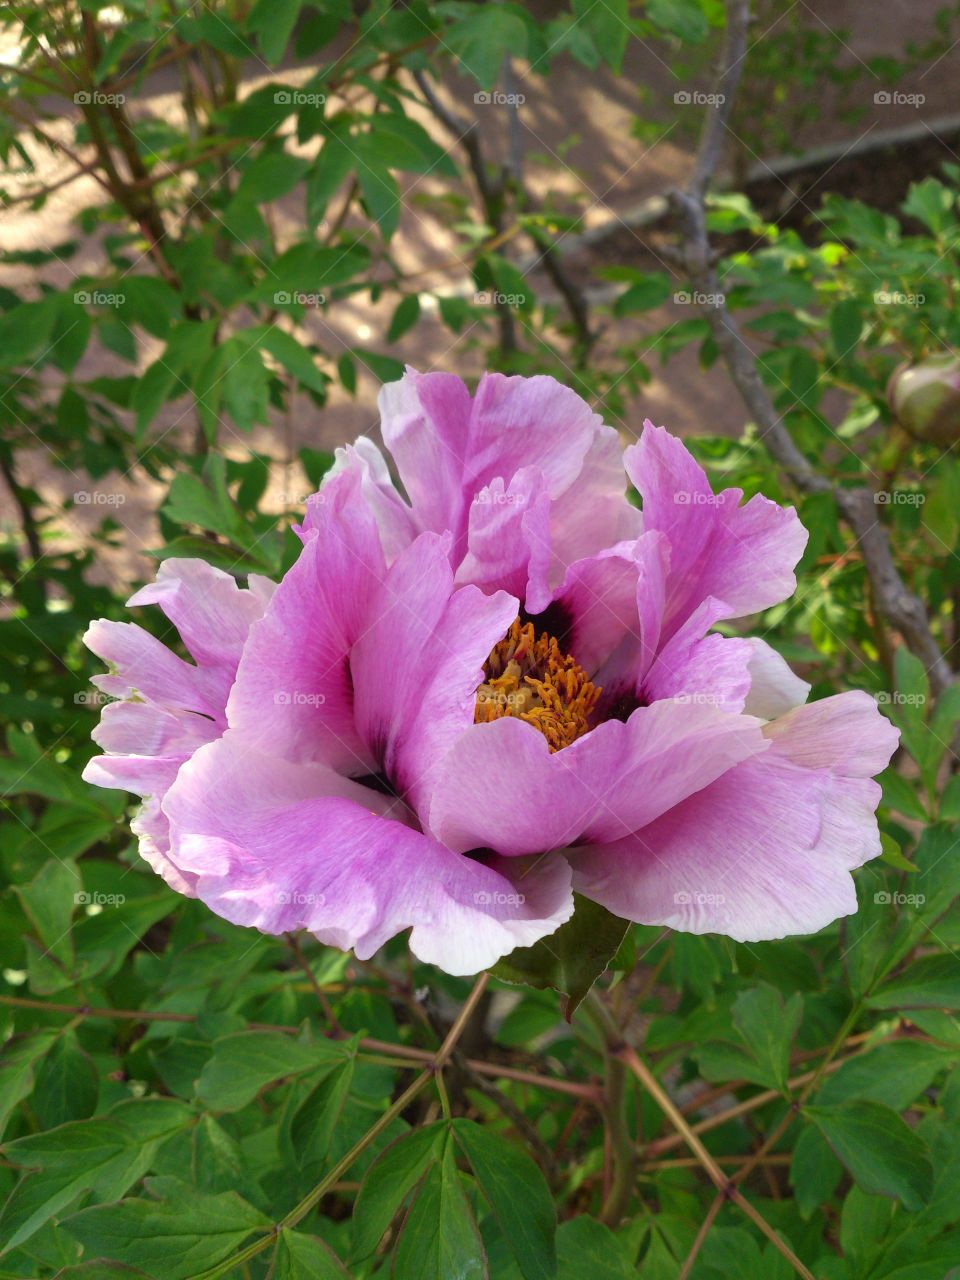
x: 455, y: 710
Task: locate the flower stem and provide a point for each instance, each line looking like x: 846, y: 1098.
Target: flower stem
x: 622, y: 1146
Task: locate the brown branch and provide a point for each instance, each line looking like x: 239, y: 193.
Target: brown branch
x: 724, y: 1185
x: 573, y: 1088
x: 491, y: 192
x: 900, y: 607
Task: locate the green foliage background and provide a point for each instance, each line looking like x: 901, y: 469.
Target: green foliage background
x: 182, y: 1098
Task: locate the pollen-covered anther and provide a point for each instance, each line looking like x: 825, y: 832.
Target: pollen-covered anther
x: 530, y: 677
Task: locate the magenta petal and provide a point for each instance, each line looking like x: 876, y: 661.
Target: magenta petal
x: 767, y: 849
x: 293, y: 694
x: 742, y: 555
x: 425, y: 424
x: 500, y: 788
x: 279, y: 847
x: 697, y: 668
x: 416, y: 667
x: 394, y: 518
x: 508, y: 539
x: 176, y: 706
x: 211, y: 612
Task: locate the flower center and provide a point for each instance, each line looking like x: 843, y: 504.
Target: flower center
x: 530, y: 677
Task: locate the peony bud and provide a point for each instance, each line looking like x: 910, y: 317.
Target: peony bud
x: 925, y: 399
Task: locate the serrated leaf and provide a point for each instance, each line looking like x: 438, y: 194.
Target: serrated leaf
x: 176, y: 1237
x: 880, y: 1151
x: 303, y: 1257
x: 389, y: 1181
x: 243, y: 1064
x: 439, y: 1238
x: 518, y: 1195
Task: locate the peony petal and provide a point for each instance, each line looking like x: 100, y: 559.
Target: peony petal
x: 417, y: 666
x: 146, y: 668
x: 278, y: 846
x: 767, y: 849
x: 211, y: 612
x: 425, y: 421
x: 508, y: 539
x: 742, y: 555
x: 697, y: 668
x: 774, y: 689
x: 500, y: 788
x: 394, y: 518
x: 293, y: 694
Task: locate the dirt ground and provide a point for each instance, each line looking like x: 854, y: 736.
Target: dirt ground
x: 580, y: 149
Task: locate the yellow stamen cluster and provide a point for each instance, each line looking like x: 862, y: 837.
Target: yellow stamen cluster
x: 530, y: 677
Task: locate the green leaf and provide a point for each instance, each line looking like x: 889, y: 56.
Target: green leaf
x: 846, y: 323
x: 590, y: 1251
x: 67, y: 1085
x: 570, y: 960
x: 881, y: 1152
x: 105, y: 1155
x: 894, y: 1074
x: 439, y: 1238
x: 651, y: 290
x: 404, y: 318
x: 608, y: 25
x: 483, y: 37
x: 518, y: 1195
x: 684, y: 19
x: 295, y: 358
x: 245, y: 1063
x: 814, y: 1171
x: 313, y: 1122
x: 17, y: 1063
x: 389, y: 1181
x: 272, y: 21
x: 933, y: 982
x: 185, y: 1233
x: 768, y: 1026
x: 380, y: 193
x: 272, y: 173
x: 49, y: 900
x: 303, y: 1257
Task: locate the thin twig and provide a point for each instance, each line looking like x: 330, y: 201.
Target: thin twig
x: 724, y: 1185
x: 902, y: 609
